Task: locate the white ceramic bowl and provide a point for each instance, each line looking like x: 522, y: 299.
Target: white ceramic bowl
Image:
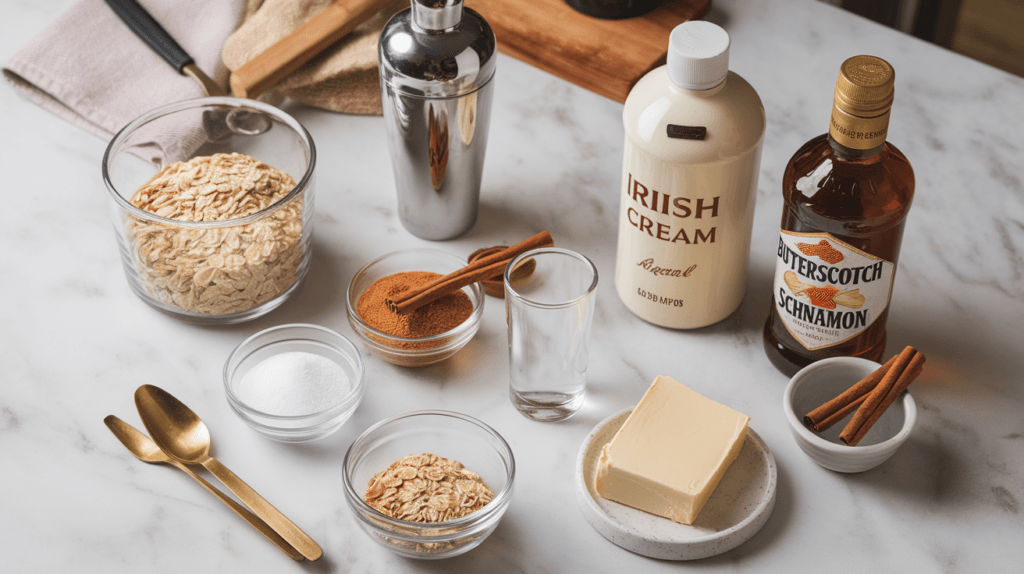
x: 822, y: 381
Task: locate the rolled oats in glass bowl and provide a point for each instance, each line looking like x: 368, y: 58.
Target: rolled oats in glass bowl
x: 212, y: 202
x: 429, y: 484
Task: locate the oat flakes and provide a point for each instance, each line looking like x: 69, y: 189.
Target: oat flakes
x: 427, y: 488
x: 223, y: 270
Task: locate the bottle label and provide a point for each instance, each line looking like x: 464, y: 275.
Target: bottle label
x: 826, y: 291
x: 684, y: 237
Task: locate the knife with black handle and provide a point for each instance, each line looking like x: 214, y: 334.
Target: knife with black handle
x: 150, y: 31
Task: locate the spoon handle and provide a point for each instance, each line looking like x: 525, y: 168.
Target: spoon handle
x: 279, y: 522
x: 242, y: 511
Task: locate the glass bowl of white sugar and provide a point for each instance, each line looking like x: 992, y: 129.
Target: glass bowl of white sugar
x: 294, y: 383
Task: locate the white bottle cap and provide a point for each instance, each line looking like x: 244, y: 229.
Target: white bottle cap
x: 698, y: 55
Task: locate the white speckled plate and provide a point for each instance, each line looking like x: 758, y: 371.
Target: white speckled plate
x: 738, y: 508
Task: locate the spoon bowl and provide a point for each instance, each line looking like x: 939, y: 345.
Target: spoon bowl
x: 137, y: 443
x: 177, y: 430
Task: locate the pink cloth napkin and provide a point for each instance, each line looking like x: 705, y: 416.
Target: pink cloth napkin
x: 88, y: 67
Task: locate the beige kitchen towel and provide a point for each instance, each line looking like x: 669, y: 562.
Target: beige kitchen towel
x: 88, y: 67
x: 342, y: 79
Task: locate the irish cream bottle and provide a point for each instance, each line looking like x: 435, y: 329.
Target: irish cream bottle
x: 846, y: 195
x: 689, y: 178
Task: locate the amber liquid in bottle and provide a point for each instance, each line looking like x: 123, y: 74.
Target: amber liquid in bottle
x: 860, y: 197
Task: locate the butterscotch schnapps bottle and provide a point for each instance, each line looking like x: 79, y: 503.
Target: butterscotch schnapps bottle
x: 846, y: 196
x: 689, y: 178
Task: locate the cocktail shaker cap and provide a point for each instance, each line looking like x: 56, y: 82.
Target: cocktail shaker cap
x: 437, y: 49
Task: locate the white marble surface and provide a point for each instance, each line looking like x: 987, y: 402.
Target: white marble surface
x: 75, y: 342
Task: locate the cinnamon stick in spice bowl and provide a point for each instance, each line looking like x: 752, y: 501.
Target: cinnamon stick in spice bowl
x: 428, y: 335
x: 839, y: 415
x: 869, y: 397
x: 823, y: 417
x: 822, y: 380
x: 495, y: 286
x: 858, y: 428
x: 483, y: 268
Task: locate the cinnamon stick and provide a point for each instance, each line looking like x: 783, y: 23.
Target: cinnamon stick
x: 495, y: 286
x: 482, y: 268
x: 879, y: 395
x: 839, y: 415
x: 909, y: 374
x: 816, y: 418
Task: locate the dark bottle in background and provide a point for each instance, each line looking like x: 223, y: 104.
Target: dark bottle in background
x: 846, y: 197
x: 614, y: 9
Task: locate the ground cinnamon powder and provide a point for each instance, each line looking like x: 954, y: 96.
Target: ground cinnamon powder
x: 432, y: 319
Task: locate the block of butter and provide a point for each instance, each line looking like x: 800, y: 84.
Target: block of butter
x: 671, y: 452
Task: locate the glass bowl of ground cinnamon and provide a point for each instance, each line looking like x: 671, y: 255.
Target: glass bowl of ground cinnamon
x: 421, y: 337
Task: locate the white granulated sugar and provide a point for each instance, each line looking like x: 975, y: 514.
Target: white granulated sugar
x: 294, y: 383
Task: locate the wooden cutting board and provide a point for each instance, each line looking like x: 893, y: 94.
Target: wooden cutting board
x: 603, y: 56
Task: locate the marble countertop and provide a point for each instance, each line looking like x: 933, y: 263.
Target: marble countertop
x: 75, y: 342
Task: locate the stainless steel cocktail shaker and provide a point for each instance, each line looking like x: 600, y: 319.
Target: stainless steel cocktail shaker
x: 437, y: 60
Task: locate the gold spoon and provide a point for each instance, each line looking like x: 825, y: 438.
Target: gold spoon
x: 147, y: 451
x: 185, y: 438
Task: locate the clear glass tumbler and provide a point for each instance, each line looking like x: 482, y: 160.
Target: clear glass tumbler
x: 212, y: 271
x: 549, y: 314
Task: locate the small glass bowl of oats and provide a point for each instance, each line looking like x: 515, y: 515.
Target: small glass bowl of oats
x: 424, y: 466
x: 212, y: 202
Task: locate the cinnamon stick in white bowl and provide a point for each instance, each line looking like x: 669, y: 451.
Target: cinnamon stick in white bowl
x: 907, y: 367
x: 828, y: 414
x: 869, y: 397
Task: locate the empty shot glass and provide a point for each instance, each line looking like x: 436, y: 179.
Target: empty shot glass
x: 549, y: 314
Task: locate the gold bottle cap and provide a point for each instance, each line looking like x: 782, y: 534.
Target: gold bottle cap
x: 865, y: 86
x: 863, y: 97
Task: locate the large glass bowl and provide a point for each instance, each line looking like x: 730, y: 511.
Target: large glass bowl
x: 446, y: 434
x: 214, y: 271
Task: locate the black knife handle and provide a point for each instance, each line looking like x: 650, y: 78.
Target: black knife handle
x: 146, y: 28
